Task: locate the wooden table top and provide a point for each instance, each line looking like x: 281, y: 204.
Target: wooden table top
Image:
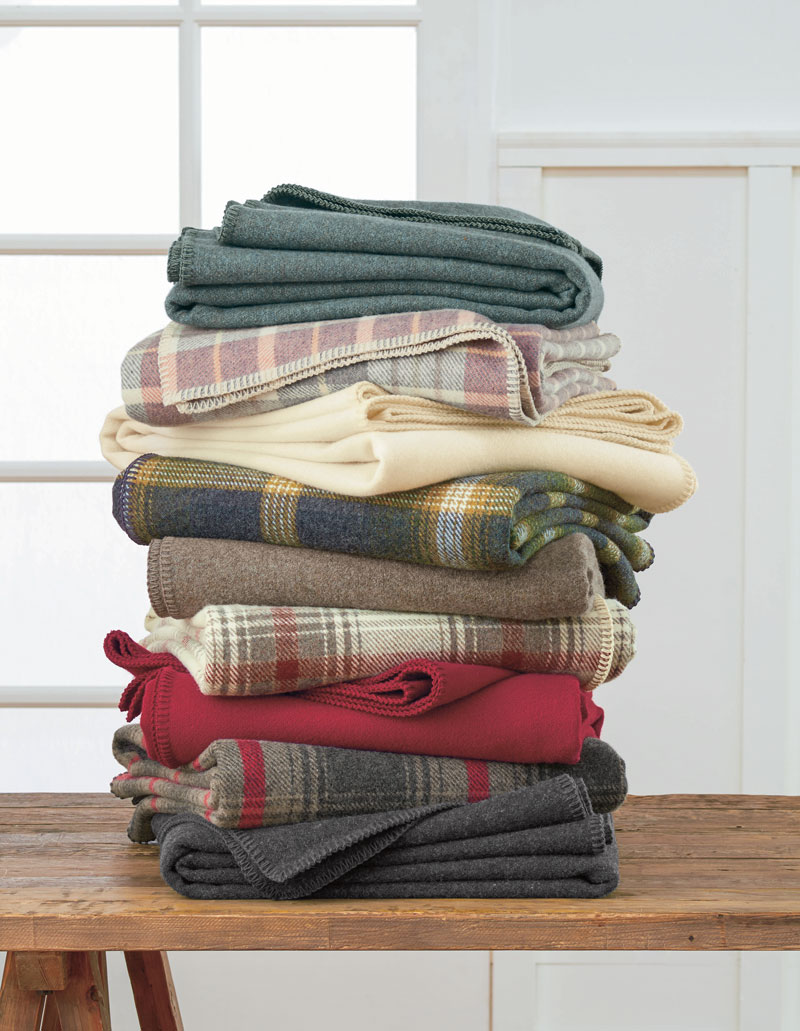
x: 697, y: 872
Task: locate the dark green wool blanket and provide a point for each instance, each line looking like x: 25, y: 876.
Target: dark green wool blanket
x: 493, y: 521
x: 542, y: 841
x: 299, y: 255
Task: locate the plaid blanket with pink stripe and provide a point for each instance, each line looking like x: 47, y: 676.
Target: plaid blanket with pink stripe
x: 183, y: 374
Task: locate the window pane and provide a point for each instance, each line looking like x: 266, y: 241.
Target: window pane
x: 347, y: 128
x: 71, y: 576
x: 92, y: 130
x: 67, y: 322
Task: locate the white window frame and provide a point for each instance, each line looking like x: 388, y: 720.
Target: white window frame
x: 455, y: 154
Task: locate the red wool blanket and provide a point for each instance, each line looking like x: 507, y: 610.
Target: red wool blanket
x: 463, y: 711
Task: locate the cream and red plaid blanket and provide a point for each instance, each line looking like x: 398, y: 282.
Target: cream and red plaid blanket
x: 250, y: 649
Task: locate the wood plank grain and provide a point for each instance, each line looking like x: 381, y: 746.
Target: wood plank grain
x: 104, y: 800
x: 425, y: 931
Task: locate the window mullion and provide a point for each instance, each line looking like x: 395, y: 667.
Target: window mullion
x: 83, y: 243
x: 56, y: 472
x: 77, y: 15
x: 247, y: 14
x: 189, y: 116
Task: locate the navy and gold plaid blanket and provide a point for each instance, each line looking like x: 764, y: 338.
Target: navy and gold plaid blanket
x: 492, y: 521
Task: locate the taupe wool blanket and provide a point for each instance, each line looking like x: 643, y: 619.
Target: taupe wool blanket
x: 186, y: 574
x: 301, y: 254
x: 181, y: 374
x: 262, y: 783
x: 542, y: 841
x: 252, y: 650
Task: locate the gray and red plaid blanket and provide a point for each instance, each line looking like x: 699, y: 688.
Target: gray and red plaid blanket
x: 262, y: 783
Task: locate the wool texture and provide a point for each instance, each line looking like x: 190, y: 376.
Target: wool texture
x: 185, y: 574
x: 542, y: 841
x: 181, y: 374
x: 493, y: 521
x: 245, y: 783
x: 418, y: 707
x: 261, y: 442
x: 300, y: 254
x: 257, y: 650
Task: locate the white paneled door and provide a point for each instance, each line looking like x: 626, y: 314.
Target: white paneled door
x: 697, y: 238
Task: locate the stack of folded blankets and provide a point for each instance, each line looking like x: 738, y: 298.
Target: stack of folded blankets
x: 393, y: 508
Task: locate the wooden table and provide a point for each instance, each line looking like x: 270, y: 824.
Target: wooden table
x: 697, y: 872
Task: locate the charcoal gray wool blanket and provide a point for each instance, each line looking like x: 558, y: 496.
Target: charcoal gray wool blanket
x: 542, y: 841
x: 299, y: 255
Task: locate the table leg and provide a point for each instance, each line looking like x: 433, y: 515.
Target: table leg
x: 153, y: 991
x: 42, y: 971
x: 50, y: 1021
x: 83, y: 1004
x: 20, y: 1008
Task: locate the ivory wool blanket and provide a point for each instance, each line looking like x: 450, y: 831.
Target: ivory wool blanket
x: 542, y: 841
x: 268, y: 442
x: 377, y: 462
x: 252, y: 650
x: 300, y: 254
x: 186, y: 574
x: 249, y: 783
x: 182, y: 374
x: 417, y: 707
x: 482, y: 522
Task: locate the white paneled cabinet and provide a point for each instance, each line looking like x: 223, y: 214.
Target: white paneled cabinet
x: 622, y: 991
x: 698, y: 236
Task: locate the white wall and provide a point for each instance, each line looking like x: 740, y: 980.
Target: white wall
x: 645, y: 66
